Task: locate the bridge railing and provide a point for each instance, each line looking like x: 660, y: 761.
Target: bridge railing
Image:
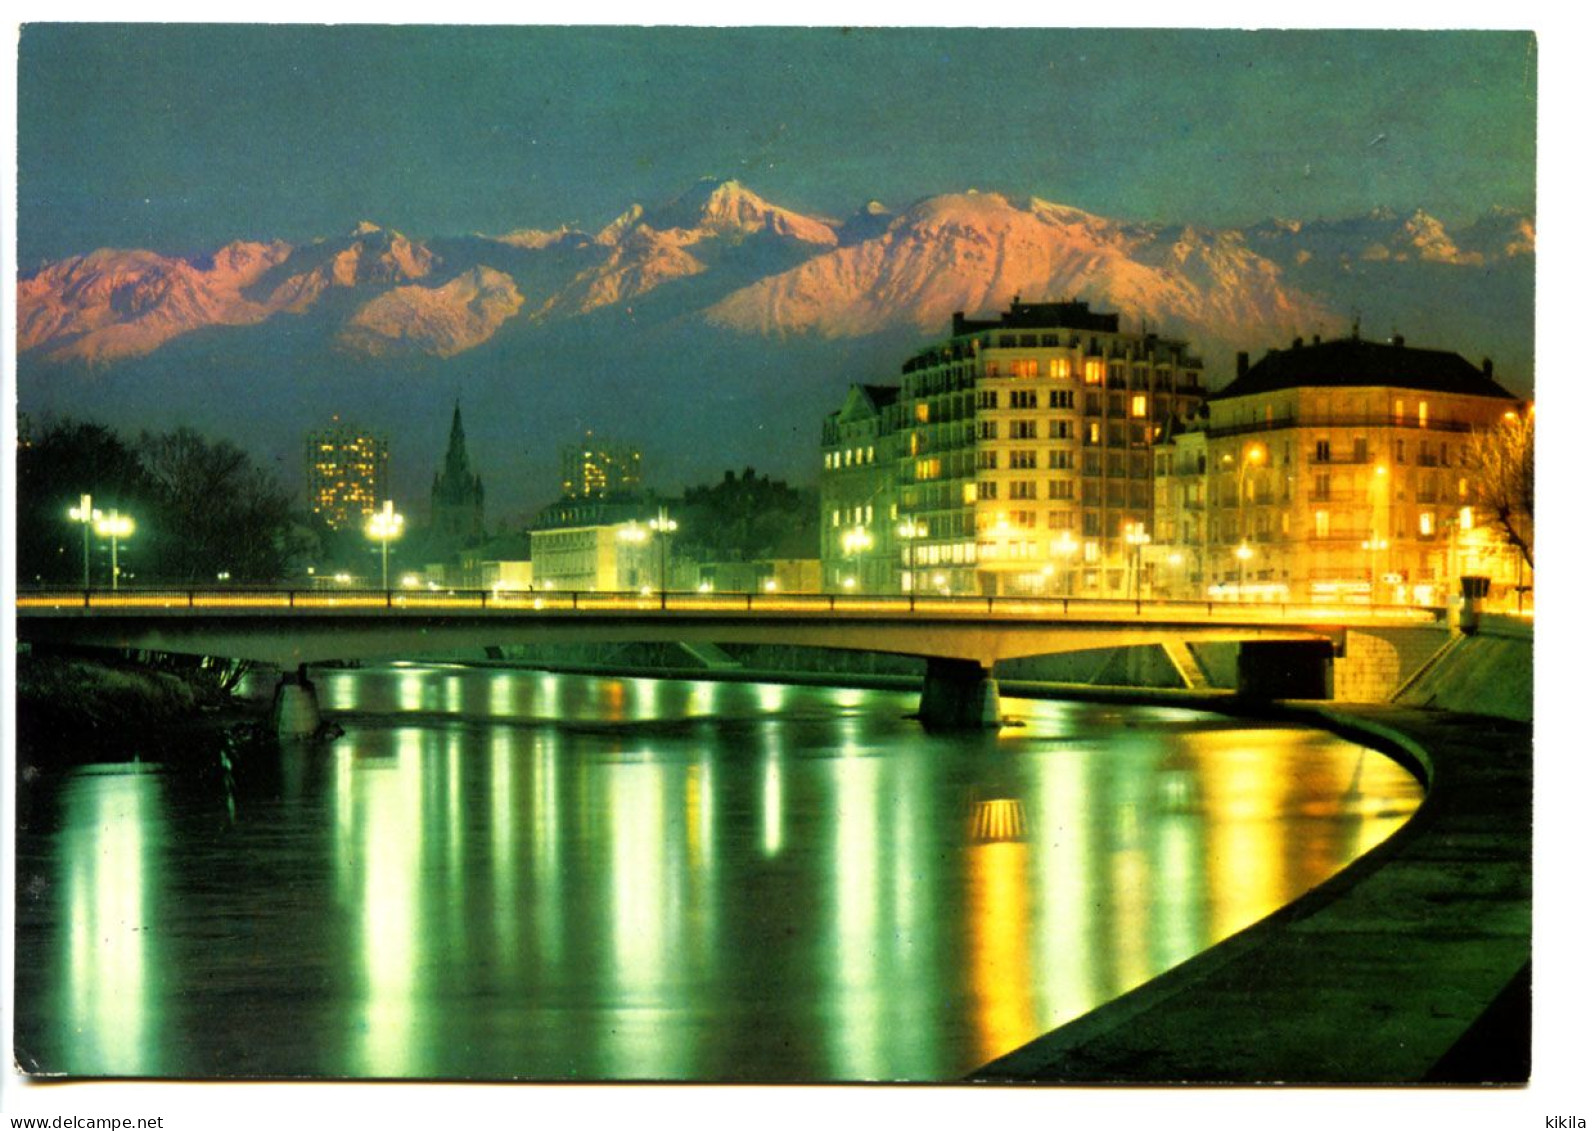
x: 247, y: 600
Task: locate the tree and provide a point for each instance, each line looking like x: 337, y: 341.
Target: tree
x: 749, y: 518
x: 215, y: 511
x: 1502, y: 458
x: 63, y: 461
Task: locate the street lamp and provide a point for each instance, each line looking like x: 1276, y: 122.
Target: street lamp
x: 1253, y: 456
x: 854, y: 543
x: 1064, y: 546
x: 114, y: 526
x: 85, y: 513
x: 385, y: 525
x: 662, y: 525
x: 908, y: 530
x: 1135, y: 535
x: 634, y: 536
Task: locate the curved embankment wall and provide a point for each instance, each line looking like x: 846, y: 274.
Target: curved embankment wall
x: 1490, y: 672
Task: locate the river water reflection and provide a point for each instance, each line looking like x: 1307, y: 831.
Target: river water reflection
x: 510, y: 874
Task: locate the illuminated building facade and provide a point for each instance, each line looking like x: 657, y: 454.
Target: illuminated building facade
x: 1015, y: 457
x: 1332, y: 471
x: 346, y: 474
x: 598, y: 468
x: 605, y: 558
x: 858, y: 493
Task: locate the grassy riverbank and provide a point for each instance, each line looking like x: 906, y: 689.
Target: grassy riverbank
x: 100, y: 705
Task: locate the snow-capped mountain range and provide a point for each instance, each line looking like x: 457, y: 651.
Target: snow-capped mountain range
x: 717, y: 328
x: 757, y: 269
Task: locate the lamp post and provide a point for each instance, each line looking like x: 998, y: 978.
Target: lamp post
x: 1135, y: 535
x: 114, y: 526
x: 385, y: 525
x: 1251, y: 457
x: 1064, y: 546
x: 85, y: 514
x: 1243, y: 554
x: 634, y: 535
x: 663, y: 526
x: 854, y: 543
x: 908, y: 530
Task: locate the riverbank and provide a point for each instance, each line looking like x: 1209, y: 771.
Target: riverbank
x: 86, y: 706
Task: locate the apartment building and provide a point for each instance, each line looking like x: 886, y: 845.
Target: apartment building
x: 1331, y: 471
x: 346, y: 474
x: 1014, y: 458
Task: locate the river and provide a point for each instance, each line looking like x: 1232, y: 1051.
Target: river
x: 506, y: 874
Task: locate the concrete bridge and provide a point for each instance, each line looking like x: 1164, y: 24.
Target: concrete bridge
x: 1285, y: 649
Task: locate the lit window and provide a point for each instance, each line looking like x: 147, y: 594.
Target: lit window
x: 969, y: 492
x: 1138, y: 405
x: 1426, y: 522
x: 1058, y: 367
x: 1093, y: 371
x: 1423, y: 414
x: 1465, y: 518
x: 1321, y: 524
x: 922, y: 412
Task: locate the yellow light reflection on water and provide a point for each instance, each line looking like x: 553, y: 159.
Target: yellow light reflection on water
x: 111, y: 1011
x: 1000, y: 967
x: 1245, y: 852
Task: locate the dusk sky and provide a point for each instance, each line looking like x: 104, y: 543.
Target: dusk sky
x: 180, y: 138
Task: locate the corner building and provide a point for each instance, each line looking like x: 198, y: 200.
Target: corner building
x: 1015, y: 457
x: 1333, y: 471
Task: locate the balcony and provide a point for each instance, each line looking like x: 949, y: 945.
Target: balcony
x: 1366, y: 421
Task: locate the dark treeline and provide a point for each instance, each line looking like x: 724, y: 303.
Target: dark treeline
x: 201, y: 508
x: 748, y: 518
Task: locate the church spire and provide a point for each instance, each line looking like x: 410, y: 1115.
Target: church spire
x: 456, y: 463
x: 457, y: 494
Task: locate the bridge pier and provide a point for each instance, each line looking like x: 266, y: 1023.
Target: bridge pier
x: 958, y: 695
x: 295, y: 712
x: 1286, y: 669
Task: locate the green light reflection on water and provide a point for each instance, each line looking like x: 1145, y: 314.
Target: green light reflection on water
x: 811, y: 890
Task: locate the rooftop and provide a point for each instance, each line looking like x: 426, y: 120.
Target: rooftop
x: 1357, y: 363
x: 1073, y: 315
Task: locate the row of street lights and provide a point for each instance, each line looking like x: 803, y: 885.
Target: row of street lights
x: 384, y: 526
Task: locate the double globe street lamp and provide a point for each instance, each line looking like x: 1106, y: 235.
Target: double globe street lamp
x: 114, y: 526
x: 385, y: 525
